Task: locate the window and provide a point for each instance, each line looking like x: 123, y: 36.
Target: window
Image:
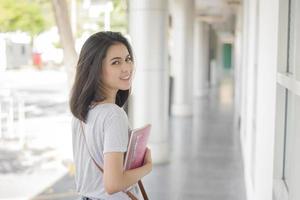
x: 287, y: 141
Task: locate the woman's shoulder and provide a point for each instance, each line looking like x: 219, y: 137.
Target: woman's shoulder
x: 108, y: 114
x: 109, y: 110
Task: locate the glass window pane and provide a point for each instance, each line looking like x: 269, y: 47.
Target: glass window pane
x: 291, y: 37
x: 288, y: 140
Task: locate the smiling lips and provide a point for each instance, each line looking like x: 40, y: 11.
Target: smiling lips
x: 125, y: 77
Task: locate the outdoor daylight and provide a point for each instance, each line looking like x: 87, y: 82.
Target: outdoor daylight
x: 39, y: 45
x: 149, y: 99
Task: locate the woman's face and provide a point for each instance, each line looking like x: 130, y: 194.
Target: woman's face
x: 117, y: 68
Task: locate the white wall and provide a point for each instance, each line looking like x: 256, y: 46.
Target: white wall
x: 257, y: 92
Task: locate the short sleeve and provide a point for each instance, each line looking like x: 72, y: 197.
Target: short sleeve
x: 116, y: 134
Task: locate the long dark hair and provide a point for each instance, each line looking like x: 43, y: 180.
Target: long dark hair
x: 88, y: 86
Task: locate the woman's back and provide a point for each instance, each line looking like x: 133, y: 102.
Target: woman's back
x: 106, y: 130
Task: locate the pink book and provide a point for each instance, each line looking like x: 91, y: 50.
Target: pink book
x: 137, y: 147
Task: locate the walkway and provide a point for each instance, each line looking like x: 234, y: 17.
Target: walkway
x: 205, y: 159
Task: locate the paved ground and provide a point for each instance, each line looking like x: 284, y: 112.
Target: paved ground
x: 63, y: 189
x: 36, y: 152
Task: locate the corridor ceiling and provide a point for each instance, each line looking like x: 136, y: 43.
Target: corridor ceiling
x: 220, y: 14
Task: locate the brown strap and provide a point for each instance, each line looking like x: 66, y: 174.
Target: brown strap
x: 87, y: 146
x: 143, y: 191
x: 130, y: 195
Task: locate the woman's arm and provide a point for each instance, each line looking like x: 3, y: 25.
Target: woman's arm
x: 116, y: 179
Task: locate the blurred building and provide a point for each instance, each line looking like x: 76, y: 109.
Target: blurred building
x: 15, y: 50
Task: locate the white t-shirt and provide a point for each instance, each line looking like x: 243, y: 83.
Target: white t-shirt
x: 106, y: 130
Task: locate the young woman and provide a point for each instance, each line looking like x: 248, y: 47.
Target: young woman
x: 100, y: 125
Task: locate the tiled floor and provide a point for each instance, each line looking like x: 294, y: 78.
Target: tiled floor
x: 205, y: 157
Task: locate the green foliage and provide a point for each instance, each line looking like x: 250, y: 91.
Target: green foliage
x: 22, y: 15
x: 118, y: 18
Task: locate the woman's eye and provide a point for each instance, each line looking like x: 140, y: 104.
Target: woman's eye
x: 116, y: 63
x: 129, y: 60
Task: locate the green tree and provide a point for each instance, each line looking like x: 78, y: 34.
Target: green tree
x: 118, y: 17
x: 25, y: 15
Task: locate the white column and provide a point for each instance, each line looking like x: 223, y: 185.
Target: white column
x: 149, y: 103
x: 201, y: 58
x: 238, y: 67
x: 182, y: 56
x: 246, y: 89
x: 267, y: 58
x: 213, y: 73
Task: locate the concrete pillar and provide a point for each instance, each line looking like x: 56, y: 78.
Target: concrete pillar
x: 267, y: 64
x: 213, y: 70
x: 150, y: 93
x: 201, y: 59
x: 219, y: 62
x: 182, y: 56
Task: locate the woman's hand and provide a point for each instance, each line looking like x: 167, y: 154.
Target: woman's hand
x: 148, y: 160
x: 116, y: 179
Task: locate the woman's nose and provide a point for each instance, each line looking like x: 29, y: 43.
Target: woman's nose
x: 126, y: 67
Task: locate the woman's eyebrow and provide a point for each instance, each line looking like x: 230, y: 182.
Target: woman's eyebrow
x: 115, y: 58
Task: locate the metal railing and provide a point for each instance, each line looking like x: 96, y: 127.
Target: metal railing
x: 12, y: 116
